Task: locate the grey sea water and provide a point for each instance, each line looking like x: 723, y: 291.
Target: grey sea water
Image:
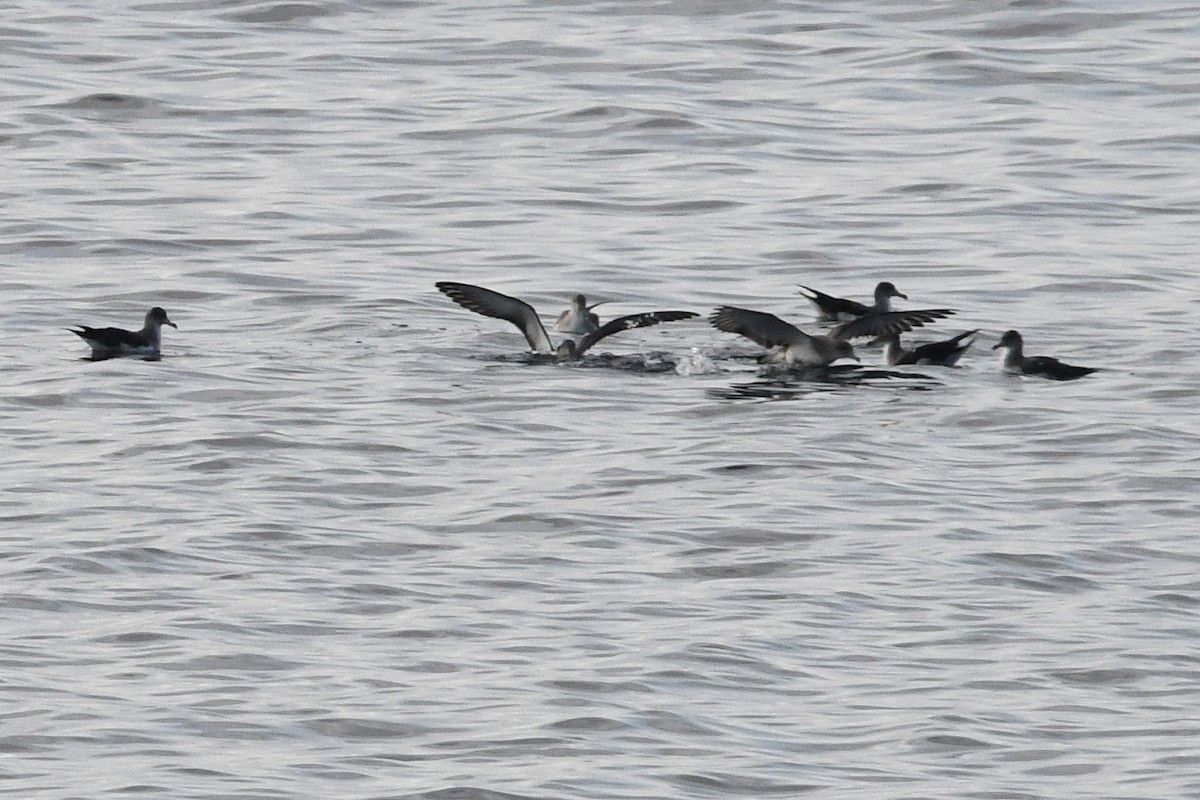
x: 345, y: 540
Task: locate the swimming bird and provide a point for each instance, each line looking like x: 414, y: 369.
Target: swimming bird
x: 798, y: 347
x: 945, y: 353
x: 518, y: 312
x: 109, y: 342
x: 1014, y: 360
x: 840, y: 309
x: 795, y: 346
x: 578, y: 319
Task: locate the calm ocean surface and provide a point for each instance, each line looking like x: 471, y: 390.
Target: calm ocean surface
x: 345, y: 540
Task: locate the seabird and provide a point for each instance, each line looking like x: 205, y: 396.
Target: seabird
x: 1015, y: 361
x: 944, y: 354
x: 109, y: 342
x: 578, y: 319
x: 798, y: 347
x: 795, y: 346
x: 839, y: 309
x: 518, y: 312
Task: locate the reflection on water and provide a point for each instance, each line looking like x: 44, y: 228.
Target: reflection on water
x: 794, y: 383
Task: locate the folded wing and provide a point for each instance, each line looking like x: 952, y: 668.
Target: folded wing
x: 832, y: 307
x: 110, y: 338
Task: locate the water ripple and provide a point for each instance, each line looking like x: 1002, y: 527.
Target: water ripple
x: 357, y: 530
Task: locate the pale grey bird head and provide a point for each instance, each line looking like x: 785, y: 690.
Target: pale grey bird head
x: 884, y: 293
x: 1010, y: 339
x: 842, y: 349
x: 567, y: 350
x: 157, y: 316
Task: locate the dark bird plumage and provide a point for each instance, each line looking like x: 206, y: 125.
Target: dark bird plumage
x: 493, y: 304
x: 1015, y: 361
x: 889, y: 323
x: 834, y: 309
x: 109, y: 342
x: 795, y: 346
x: 945, y: 353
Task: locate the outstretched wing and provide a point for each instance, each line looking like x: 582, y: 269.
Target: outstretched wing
x: 501, y: 306
x: 885, y: 323
x: 619, y: 324
x: 760, y: 327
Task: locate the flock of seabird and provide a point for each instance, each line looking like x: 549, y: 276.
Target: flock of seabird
x: 786, y: 344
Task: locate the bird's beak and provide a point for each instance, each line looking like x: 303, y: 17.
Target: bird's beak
x: 997, y: 345
x: 901, y: 294
x: 172, y: 324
